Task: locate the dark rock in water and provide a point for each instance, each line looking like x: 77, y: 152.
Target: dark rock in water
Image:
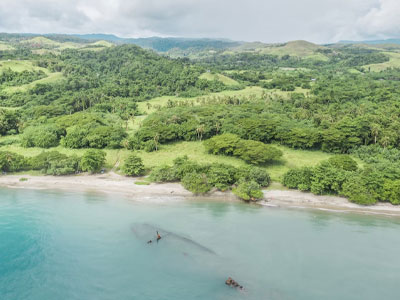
x: 233, y: 283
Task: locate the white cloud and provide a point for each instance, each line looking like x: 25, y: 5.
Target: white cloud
x: 381, y: 21
x: 264, y: 20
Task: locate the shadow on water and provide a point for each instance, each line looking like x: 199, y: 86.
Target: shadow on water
x: 143, y: 231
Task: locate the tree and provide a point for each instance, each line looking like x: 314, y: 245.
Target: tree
x: 391, y: 191
x: 133, y: 166
x: 298, y: 178
x: 257, y: 153
x: 8, y: 121
x: 44, y: 136
x: 224, y: 144
x: 357, y: 191
x: 12, y: 162
x: 344, y: 162
x: 196, y: 183
x: 327, y: 179
x: 93, y: 160
x: 248, y: 190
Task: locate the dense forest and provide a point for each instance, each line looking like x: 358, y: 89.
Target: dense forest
x: 336, y: 105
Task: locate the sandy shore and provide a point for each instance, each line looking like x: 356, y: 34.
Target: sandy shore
x: 116, y: 184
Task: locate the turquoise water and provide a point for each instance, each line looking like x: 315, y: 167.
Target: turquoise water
x: 56, y: 245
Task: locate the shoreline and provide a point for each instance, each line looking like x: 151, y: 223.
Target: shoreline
x: 117, y: 184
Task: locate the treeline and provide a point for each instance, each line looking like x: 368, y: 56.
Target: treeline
x: 246, y: 182
x: 9, y: 77
x: 80, y: 130
x: 53, y: 162
x: 297, y: 122
x: 378, y: 180
x: 110, y: 81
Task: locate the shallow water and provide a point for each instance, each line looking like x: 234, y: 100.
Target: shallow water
x: 57, y: 245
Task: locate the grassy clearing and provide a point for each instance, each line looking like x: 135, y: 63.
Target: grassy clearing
x: 51, y: 78
x: 162, y: 101
x: 20, y: 65
x: 219, y: 77
x: 394, y: 62
x: 4, y: 46
x: 195, y: 151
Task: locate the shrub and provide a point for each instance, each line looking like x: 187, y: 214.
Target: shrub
x: 224, y: 144
x: 327, y: 179
x: 196, y: 183
x: 12, y: 162
x: 183, y: 166
x: 94, y: 136
x: 133, y: 166
x: 248, y: 190
x: 66, y: 166
x: 163, y: 174
x: 221, y: 176
x: 391, y: 191
x: 8, y: 121
x: 256, y: 153
x: 256, y: 174
x: 343, y: 162
x: 44, y: 159
x: 92, y: 160
x: 298, y: 178
x: 357, y: 191
x: 44, y: 136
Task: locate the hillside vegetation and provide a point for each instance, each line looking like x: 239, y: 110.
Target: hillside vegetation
x: 323, y: 119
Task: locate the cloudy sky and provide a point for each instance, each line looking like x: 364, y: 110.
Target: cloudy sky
x: 319, y: 21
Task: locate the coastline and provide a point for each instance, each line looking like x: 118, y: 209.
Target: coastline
x: 125, y: 186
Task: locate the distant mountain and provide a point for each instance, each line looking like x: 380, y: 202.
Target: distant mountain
x: 374, y: 42
x: 164, y: 44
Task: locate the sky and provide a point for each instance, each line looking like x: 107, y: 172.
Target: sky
x: 319, y: 21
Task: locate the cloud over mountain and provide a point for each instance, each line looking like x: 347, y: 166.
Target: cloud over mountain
x: 264, y: 20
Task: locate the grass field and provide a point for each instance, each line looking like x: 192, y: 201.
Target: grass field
x: 162, y: 101
x: 194, y: 150
x: 302, y: 49
x: 20, y: 65
x: 51, y: 77
x: 4, y: 46
x: 219, y: 77
x: 394, y: 62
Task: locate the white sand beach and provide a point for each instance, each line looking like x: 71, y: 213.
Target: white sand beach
x: 117, y: 184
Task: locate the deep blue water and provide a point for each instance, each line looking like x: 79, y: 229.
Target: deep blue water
x: 57, y: 245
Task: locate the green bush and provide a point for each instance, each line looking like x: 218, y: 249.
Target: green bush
x: 92, y: 160
x: 248, y: 190
x: 344, y: 162
x: 391, y: 191
x: 256, y: 174
x: 133, y: 166
x: 298, y: 178
x: 12, y: 162
x: 164, y: 174
x: 224, y: 144
x: 355, y: 189
x: 221, y: 176
x: 44, y: 136
x: 327, y: 179
x: 196, y: 183
x: 44, y: 159
x: 66, y: 166
x: 94, y: 136
x: 257, y: 153
x: 253, y: 152
x: 183, y: 166
x: 8, y: 121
